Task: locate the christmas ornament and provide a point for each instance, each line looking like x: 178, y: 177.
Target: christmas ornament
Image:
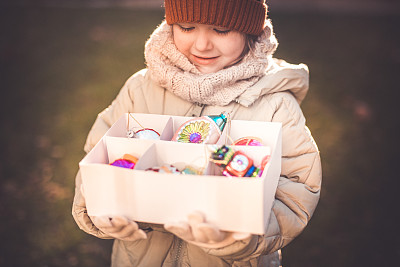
x: 144, y: 133
x: 164, y: 169
x: 248, y: 141
x: 234, y: 163
x: 127, y: 161
x: 206, y: 130
x: 190, y: 170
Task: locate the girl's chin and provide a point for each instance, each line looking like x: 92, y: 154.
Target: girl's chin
x: 207, y: 69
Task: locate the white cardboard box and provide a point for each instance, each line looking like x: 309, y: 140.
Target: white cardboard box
x: 233, y: 204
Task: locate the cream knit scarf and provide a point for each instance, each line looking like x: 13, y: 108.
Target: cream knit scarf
x: 173, y: 71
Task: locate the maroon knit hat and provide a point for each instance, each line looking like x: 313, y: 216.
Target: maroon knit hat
x: 247, y: 16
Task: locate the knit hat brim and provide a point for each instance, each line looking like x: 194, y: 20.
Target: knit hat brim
x: 246, y: 16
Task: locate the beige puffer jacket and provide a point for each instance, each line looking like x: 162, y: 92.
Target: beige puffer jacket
x: 275, y: 98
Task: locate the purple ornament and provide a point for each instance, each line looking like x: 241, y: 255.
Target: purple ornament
x: 127, y: 161
x: 123, y: 163
x: 195, y: 138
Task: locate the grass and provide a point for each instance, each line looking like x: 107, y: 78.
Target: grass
x: 60, y: 67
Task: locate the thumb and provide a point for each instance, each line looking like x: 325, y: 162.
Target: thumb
x: 180, y: 229
x: 241, y: 236
x: 212, y: 232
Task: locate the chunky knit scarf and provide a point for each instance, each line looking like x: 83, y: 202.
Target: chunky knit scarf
x: 173, y: 71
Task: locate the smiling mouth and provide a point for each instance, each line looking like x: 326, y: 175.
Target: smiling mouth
x: 204, y: 60
x: 204, y: 57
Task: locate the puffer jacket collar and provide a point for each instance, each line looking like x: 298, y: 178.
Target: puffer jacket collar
x: 280, y: 77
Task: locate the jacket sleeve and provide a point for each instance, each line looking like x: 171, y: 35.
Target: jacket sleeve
x: 123, y: 103
x: 298, y: 189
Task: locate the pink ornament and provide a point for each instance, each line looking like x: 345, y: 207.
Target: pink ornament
x: 248, y: 141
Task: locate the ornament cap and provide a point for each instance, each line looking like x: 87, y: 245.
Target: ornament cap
x: 220, y: 120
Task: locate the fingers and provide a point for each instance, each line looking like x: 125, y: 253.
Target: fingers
x: 195, y: 219
x: 118, y: 224
x: 180, y: 229
x: 119, y: 227
x: 202, y: 231
x: 102, y: 222
x: 241, y: 236
x: 124, y: 230
x: 211, y: 232
x: 130, y: 233
x: 136, y: 235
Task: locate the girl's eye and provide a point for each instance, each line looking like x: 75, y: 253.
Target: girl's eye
x: 222, y: 32
x: 185, y: 29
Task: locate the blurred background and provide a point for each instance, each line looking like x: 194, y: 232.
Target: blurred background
x: 62, y: 62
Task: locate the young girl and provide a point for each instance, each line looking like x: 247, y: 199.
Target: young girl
x: 212, y: 56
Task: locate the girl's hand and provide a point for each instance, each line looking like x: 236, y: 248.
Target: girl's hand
x: 197, y: 231
x: 119, y: 227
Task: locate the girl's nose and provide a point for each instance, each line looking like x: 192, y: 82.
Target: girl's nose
x: 203, y: 41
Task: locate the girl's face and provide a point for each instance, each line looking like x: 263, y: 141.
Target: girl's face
x: 209, y: 48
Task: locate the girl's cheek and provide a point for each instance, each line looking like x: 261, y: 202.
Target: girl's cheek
x: 180, y: 45
x: 180, y: 42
